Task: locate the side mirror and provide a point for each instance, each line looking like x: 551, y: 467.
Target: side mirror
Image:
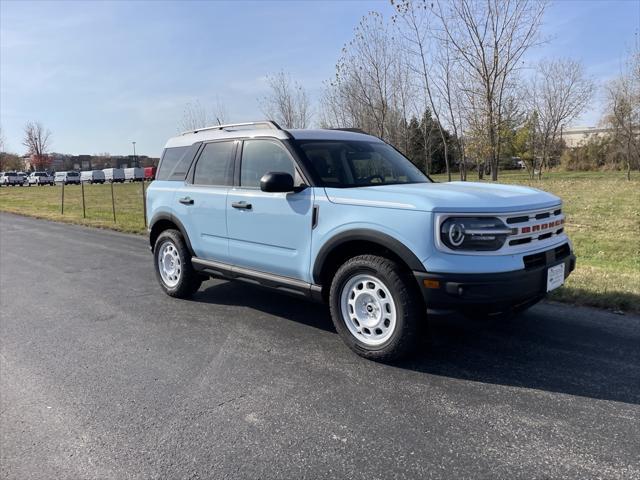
x: 276, y: 182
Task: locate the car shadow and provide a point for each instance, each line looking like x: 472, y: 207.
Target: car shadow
x: 547, y: 348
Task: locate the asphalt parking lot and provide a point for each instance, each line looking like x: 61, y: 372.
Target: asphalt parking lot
x: 103, y: 376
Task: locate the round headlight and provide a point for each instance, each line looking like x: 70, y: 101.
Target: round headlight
x: 474, y: 233
x: 456, y: 234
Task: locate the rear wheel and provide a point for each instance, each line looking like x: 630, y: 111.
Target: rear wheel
x: 172, y: 262
x: 375, y: 308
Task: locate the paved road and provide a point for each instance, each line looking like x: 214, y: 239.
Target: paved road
x: 103, y: 376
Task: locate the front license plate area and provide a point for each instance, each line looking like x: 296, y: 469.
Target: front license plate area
x: 555, y: 277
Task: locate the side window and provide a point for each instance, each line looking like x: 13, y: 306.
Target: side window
x: 260, y: 157
x: 215, y: 165
x: 175, y: 162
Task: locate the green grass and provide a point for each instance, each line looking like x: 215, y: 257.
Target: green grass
x: 602, y: 209
x: 44, y: 202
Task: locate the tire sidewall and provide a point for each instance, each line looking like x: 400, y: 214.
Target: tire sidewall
x: 390, y: 278
x: 187, y: 283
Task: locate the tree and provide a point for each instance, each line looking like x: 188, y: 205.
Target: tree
x: 372, y: 89
x: 37, y: 139
x: 287, y: 102
x: 195, y: 116
x: 489, y: 38
x: 415, y: 30
x: 560, y: 93
x: 623, y: 95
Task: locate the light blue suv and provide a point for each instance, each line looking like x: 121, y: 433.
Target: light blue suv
x: 343, y: 217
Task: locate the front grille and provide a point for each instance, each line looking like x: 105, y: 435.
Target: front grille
x: 533, y: 227
x: 543, y: 258
x: 562, y: 251
x: 535, y: 260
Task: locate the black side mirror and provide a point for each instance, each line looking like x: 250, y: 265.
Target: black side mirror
x: 276, y: 182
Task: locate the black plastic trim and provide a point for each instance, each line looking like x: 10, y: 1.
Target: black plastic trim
x: 176, y: 222
x: 493, y: 291
x: 270, y: 280
x: 364, y: 234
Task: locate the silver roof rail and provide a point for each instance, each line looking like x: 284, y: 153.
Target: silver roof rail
x: 270, y: 124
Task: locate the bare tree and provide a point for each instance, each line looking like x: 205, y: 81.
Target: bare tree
x: 37, y: 139
x: 2, y: 141
x: 623, y: 112
x: 489, y: 38
x: 374, y: 88
x: 415, y: 29
x: 194, y: 116
x: 560, y: 91
x: 287, y: 102
x: 220, y: 114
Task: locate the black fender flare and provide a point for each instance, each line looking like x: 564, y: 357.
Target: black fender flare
x: 170, y: 218
x: 364, y: 234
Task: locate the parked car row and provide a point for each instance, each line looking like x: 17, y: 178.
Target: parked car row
x: 111, y: 175
x: 20, y: 179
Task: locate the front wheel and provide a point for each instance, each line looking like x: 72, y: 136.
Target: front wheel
x: 376, y: 307
x: 172, y: 262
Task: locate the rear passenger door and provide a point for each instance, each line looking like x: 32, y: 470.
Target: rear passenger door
x: 204, y: 198
x: 269, y: 232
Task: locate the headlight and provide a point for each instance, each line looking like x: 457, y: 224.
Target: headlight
x: 474, y: 233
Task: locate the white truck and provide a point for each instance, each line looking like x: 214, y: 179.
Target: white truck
x: 40, y: 178
x: 92, y: 176
x: 67, y: 178
x: 134, y: 174
x: 113, y: 175
x: 10, y: 179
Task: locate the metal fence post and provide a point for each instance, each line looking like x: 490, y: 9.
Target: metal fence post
x: 144, y: 204
x: 113, y: 204
x: 62, y: 201
x: 84, y: 212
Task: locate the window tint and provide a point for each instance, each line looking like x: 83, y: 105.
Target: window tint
x: 175, y: 162
x: 344, y: 164
x: 260, y: 157
x: 215, y: 165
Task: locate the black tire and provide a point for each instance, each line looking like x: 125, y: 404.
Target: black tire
x: 409, y: 306
x: 189, y: 280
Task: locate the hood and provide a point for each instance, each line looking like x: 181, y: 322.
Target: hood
x: 446, y: 197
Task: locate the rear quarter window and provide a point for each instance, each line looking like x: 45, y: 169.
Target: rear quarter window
x: 175, y: 162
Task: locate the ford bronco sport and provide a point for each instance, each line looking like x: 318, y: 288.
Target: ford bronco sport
x: 343, y: 217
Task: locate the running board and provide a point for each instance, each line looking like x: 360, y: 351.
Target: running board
x: 278, y: 282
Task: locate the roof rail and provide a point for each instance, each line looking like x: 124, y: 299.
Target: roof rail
x: 354, y: 130
x: 270, y: 124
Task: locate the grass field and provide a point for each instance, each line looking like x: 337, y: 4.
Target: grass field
x: 602, y: 209
x: 45, y: 202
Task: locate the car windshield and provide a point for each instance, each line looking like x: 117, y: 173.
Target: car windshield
x: 345, y: 164
x: 72, y: 174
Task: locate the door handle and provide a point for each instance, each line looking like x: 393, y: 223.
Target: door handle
x: 242, y: 205
x: 186, y: 201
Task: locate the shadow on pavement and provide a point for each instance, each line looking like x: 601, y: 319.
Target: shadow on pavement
x: 551, y: 348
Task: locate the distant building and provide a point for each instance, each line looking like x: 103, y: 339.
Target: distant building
x: 576, y: 136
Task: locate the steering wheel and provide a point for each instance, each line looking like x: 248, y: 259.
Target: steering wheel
x: 380, y: 177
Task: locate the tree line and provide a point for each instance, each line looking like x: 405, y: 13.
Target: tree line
x: 447, y: 82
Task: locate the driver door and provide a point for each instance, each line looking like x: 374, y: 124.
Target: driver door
x: 269, y: 232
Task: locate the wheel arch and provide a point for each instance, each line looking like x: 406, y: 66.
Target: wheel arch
x: 166, y: 221
x: 359, y: 242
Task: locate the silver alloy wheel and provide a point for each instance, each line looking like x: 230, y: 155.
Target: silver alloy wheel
x: 169, y: 264
x: 368, y: 309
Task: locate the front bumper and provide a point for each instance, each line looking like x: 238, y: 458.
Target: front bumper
x: 490, y: 292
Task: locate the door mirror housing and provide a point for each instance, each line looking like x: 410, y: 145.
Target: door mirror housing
x: 276, y: 182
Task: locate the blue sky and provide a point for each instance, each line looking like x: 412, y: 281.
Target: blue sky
x: 101, y: 74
